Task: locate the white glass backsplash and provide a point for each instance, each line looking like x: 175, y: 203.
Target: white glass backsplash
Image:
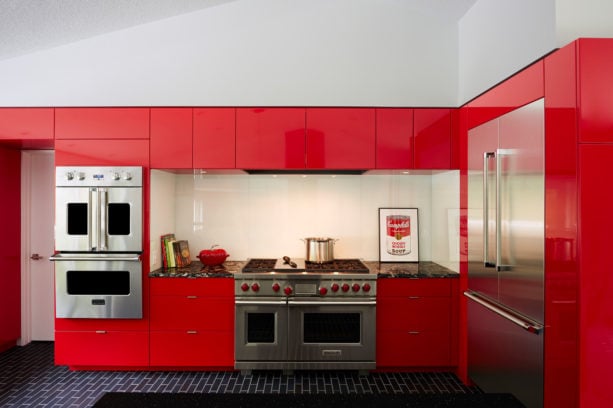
x: 266, y: 216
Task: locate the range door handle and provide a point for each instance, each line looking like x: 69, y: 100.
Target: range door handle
x: 523, y: 322
x: 94, y: 257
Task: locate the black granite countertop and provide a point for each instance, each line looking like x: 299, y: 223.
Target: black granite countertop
x: 416, y: 270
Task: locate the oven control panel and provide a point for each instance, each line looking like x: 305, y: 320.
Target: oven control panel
x: 302, y: 288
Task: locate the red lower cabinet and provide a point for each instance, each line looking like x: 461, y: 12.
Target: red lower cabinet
x: 415, y: 318
x: 102, y: 348
x: 192, y: 322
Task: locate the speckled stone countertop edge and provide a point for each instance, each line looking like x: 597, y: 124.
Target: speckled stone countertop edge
x: 412, y: 270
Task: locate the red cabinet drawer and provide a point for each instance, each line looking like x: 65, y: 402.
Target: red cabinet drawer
x: 214, y: 144
x: 191, y: 312
x: 171, y: 138
x: 26, y: 123
x: 270, y: 138
x: 413, y: 349
x: 340, y: 138
x: 413, y: 313
x: 192, y: 349
x: 215, y: 287
x: 413, y: 287
x: 394, y: 138
x: 127, y: 349
x: 102, y: 153
x: 102, y: 123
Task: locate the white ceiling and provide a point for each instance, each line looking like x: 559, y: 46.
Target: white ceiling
x: 32, y: 25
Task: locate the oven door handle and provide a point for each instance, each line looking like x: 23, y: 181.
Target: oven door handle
x: 61, y: 257
x: 327, y: 303
x: 260, y: 302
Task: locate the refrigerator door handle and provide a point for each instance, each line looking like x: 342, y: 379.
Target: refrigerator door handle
x: 486, y: 207
x: 500, y: 153
x: 524, y: 323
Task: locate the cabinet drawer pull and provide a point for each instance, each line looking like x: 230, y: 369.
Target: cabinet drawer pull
x: 413, y: 332
x: 192, y: 297
x: 100, y: 331
x: 192, y: 332
x: 414, y: 297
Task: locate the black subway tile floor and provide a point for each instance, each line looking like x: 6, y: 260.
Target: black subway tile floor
x: 28, y: 377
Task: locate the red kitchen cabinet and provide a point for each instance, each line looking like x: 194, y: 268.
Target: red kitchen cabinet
x: 340, y: 138
x: 198, y: 315
x: 102, y: 349
x: 270, y: 138
x: 28, y: 127
x: 102, y: 153
x: 415, y: 323
x: 171, y: 138
x: 102, y: 123
x: 595, y: 85
x: 433, y: 139
x: 394, y: 134
x: 214, y: 145
x: 10, y: 250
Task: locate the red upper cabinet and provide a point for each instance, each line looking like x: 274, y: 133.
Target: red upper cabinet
x: 26, y: 123
x: 433, y: 138
x: 214, y: 145
x: 102, y: 153
x: 171, y: 138
x: 340, y: 138
x: 595, y: 85
x: 394, y: 145
x: 102, y: 123
x: 270, y: 138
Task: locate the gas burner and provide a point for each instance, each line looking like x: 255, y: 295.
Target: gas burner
x: 339, y: 265
x: 354, y: 266
x: 259, y: 265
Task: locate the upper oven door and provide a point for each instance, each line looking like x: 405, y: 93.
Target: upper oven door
x: 332, y: 330
x: 99, y: 286
x: 98, y: 219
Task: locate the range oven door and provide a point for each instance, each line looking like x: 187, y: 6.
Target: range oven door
x: 98, y: 286
x: 99, y: 219
x: 261, y: 330
x: 328, y: 331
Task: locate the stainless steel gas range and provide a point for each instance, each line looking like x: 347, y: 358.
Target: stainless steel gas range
x: 293, y: 315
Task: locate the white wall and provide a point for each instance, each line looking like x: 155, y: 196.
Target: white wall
x: 499, y: 38
x: 265, y: 216
x: 585, y: 18
x: 251, y: 53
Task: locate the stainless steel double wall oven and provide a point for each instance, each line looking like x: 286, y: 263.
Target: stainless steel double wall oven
x: 312, y: 316
x: 98, y: 242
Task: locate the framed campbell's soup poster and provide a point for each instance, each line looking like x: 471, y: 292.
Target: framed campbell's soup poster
x: 398, y: 235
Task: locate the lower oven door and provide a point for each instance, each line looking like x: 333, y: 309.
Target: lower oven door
x: 332, y: 331
x: 261, y: 330
x: 98, y: 286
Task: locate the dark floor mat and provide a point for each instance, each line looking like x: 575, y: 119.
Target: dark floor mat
x: 132, y: 400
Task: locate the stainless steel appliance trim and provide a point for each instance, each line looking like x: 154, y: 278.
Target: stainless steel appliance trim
x: 486, y: 207
x: 88, y: 257
x: 103, y: 201
x: 342, y: 302
x: 260, y: 302
x: 524, y: 323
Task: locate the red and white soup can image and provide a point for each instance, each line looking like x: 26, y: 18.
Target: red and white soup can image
x: 398, y: 237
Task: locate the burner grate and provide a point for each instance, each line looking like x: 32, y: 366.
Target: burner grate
x: 258, y: 265
x: 338, y: 265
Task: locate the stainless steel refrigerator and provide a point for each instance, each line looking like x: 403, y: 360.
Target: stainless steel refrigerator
x: 506, y: 239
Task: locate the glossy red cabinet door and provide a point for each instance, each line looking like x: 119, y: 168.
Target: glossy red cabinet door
x: 192, y: 348
x: 190, y: 312
x: 595, y: 85
x: 340, y: 138
x: 102, y: 123
x: 270, y: 138
x: 596, y: 306
x: 26, y: 123
x: 214, y: 144
x: 10, y: 278
x: 102, y: 153
x: 432, y: 138
x: 171, y: 138
x: 102, y: 348
x: 394, y: 149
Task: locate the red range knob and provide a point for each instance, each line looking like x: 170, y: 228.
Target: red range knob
x: 323, y: 291
x: 288, y: 290
x: 255, y: 287
x: 335, y: 287
x: 345, y: 287
x: 366, y: 287
x: 244, y: 287
x: 355, y: 287
x: 276, y: 287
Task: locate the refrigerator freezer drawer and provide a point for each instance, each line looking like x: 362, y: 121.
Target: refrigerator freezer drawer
x: 504, y: 357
